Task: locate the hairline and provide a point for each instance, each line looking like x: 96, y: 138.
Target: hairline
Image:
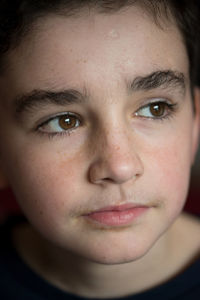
x: 34, y: 24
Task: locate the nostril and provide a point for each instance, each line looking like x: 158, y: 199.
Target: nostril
x: 115, y: 169
x: 107, y: 179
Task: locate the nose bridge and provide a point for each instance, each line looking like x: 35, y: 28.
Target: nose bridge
x: 115, y: 141
x: 119, y: 148
x: 116, y: 156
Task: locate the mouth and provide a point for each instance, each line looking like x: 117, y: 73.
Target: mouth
x: 116, y: 216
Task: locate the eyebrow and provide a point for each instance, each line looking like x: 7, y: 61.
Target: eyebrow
x: 159, y: 79
x: 40, y: 98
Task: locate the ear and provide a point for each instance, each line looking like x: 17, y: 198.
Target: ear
x: 196, y: 126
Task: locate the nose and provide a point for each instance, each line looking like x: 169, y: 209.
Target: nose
x: 116, y: 160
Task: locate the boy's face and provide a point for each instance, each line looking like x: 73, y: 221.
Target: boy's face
x: 122, y: 150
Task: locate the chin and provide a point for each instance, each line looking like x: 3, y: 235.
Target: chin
x: 115, y: 256
x: 115, y: 260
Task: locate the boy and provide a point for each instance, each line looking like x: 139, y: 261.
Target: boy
x: 99, y: 127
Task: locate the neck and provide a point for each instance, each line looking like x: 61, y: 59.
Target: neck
x: 78, y: 275
x: 92, y: 279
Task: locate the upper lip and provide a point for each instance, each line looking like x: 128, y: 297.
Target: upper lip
x: 121, y: 207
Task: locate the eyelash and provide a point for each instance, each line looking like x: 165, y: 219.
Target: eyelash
x: 63, y: 133
x: 55, y: 134
x: 170, y: 107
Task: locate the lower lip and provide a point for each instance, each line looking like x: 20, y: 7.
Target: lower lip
x: 117, y: 218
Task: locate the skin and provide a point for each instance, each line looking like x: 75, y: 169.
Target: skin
x: 114, y: 157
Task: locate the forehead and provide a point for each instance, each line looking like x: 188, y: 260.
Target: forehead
x: 95, y: 48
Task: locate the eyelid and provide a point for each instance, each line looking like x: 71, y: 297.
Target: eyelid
x: 48, y: 119
x: 171, y: 106
x: 148, y: 102
x: 153, y: 100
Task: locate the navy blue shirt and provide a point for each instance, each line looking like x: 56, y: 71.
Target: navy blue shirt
x: 18, y: 281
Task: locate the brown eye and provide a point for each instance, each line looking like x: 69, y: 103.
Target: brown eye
x: 62, y: 123
x: 67, y: 122
x: 158, y: 109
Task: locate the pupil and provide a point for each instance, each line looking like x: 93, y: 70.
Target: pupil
x: 157, y: 109
x: 67, y: 122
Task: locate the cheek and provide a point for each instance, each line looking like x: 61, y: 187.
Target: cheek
x: 172, y: 173
x: 47, y: 186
